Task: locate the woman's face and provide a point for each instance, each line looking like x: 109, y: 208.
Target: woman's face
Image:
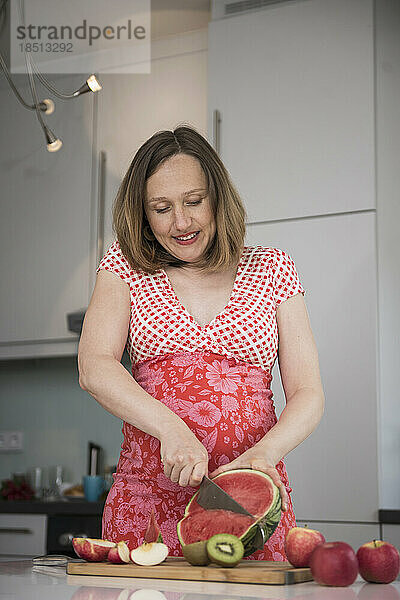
x: 177, y: 204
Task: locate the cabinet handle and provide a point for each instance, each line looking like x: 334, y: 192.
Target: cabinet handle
x: 15, y: 530
x: 101, y: 205
x: 216, y: 130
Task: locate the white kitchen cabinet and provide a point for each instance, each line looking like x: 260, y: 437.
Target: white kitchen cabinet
x: 45, y: 222
x: 134, y: 107
x: 294, y: 86
x: 50, y: 202
x: 334, y: 472
x: 23, y: 534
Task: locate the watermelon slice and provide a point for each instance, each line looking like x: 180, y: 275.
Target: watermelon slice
x: 255, y: 491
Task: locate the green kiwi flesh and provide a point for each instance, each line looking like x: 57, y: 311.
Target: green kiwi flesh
x: 225, y: 549
x: 196, y: 553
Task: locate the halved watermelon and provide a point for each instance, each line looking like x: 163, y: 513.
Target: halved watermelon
x: 255, y: 491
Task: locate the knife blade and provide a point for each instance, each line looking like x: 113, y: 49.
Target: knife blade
x: 211, y: 496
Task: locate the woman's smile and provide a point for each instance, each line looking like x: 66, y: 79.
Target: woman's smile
x: 185, y: 240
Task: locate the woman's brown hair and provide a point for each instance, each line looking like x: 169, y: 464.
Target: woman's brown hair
x: 130, y: 225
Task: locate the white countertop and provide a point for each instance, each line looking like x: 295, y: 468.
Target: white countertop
x: 19, y: 580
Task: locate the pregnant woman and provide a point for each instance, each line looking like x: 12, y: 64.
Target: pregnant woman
x: 204, y: 318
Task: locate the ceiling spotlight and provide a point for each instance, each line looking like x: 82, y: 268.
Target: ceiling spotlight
x: 48, y: 108
x: 53, y: 143
x: 91, y: 85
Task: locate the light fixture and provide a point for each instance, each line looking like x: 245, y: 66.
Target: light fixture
x: 53, y: 143
x: 49, y: 106
x: 91, y: 85
x: 45, y: 106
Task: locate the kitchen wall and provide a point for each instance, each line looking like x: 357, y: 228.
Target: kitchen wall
x: 42, y: 398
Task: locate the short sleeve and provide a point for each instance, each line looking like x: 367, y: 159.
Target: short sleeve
x: 114, y: 261
x: 286, y: 282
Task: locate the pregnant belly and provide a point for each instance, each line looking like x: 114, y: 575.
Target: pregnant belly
x: 227, y: 403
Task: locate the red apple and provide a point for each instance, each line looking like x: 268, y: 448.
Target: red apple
x: 300, y: 542
x: 378, y: 562
x: 153, y: 533
x: 334, y: 563
x: 119, y: 554
x: 92, y: 550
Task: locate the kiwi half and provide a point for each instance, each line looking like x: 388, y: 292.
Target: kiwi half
x: 196, y: 553
x: 225, y: 549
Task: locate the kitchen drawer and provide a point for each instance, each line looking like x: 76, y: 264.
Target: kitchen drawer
x: 23, y: 534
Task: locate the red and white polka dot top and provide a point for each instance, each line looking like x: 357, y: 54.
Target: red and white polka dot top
x: 246, y: 329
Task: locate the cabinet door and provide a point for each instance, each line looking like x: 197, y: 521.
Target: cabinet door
x: 294, y: 85
x: 44, y: 218
x: 334, y: 472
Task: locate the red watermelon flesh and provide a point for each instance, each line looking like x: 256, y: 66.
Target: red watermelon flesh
x: 203, y: 524
x: 250, y: 490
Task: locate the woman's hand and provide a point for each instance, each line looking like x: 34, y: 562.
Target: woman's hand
x: 257, y: 458
x: 184, y: 457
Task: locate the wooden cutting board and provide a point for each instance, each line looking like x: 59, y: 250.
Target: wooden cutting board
x: 247, y: 571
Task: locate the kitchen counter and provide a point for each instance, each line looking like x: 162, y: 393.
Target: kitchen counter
x: 20, y: 580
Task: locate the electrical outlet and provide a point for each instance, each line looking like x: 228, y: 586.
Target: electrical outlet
x: 11, y: 441
x: 15, y: 440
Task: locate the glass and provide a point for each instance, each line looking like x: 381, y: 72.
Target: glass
x: 35, y: 477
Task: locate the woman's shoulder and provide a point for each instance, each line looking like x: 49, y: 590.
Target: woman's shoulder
x: 279, y: 267
x: 268, y: 254
x: 114, y: 260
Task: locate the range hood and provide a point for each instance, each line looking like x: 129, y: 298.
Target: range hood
x: 75, y: 320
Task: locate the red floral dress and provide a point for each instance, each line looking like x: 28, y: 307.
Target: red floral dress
x: 215, y: 377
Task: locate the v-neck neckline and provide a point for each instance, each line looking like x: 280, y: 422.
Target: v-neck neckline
x: 178, y: 303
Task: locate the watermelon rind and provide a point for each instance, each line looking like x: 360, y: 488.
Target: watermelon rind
x: 255, y: 537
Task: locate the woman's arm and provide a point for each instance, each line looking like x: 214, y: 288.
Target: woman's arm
x: 103, y: 338
x: 301, y: 380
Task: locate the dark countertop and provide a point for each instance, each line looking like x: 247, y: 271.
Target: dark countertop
x: 389, y: 515
x: 71, y: 506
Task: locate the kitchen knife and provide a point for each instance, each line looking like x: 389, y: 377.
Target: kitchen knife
x: 211, y: 496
